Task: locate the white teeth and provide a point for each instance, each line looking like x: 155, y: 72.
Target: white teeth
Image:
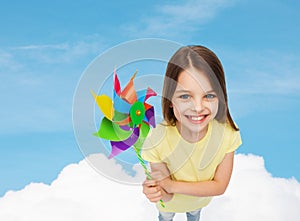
x: 197, y: 118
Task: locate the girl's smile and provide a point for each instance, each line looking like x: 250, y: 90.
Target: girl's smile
x: 196, y: 119
x: 195, y: 104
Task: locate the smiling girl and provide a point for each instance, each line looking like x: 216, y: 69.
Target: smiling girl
x: 191, y: 153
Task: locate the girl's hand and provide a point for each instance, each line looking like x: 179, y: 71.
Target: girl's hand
x: 164, y: 180
x: 152, y: 190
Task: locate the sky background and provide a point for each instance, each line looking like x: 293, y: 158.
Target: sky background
x: 46, y: 46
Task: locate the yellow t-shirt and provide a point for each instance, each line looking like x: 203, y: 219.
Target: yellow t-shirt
x: 190, y: 161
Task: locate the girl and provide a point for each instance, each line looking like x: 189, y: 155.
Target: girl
x: 191, y: 152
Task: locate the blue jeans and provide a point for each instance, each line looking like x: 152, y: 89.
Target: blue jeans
x: 191, y: 216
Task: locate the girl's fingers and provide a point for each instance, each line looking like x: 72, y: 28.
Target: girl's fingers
x: 153, y: 195
x: 152, y: 191
x: 150, y: 183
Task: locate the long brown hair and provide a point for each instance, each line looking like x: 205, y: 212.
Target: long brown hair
x: 202, y: 59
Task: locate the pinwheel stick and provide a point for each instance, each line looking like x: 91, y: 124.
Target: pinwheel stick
x: 142, y: 162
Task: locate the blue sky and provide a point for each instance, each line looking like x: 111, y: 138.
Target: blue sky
x: 46, y: 46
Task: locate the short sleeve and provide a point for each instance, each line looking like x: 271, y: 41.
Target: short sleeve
x: 235, y: 141
x: 150, y: 155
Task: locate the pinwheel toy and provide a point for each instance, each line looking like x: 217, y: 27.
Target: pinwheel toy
x: 127, y: 119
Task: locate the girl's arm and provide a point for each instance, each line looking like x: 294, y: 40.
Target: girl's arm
x: 217, y: 186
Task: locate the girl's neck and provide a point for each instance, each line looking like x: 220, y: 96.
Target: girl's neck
x: 190, y: 136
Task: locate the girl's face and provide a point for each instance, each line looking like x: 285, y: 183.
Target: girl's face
x: 194, y: 103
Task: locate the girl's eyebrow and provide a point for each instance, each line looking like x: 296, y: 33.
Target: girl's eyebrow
x: 182, y: 91
x: 211, y: 91
x: 187, y: 91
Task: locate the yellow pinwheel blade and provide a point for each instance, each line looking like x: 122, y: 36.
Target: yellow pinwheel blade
x: 105, y: 104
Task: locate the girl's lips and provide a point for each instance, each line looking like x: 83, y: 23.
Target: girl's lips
x: 197, y: 119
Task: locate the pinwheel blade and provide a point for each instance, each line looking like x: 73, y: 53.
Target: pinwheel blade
x: 150, y: 116
x: 150, y: 93
x: 147, y: 106
x: 129, y: 93
x: 112, y: 131
x: 121, y: 105
x: 121, y: 118
x: 118, y: 116
x: 118, y: 147
x: 141, y: 95
x: 144, y: 130
x: 117, y: 86
x: 105, y: 104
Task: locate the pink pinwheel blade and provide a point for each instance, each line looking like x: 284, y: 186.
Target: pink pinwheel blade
x: 150, y: 116
x: 150, y: 93
x: 120, y: 146
x: 117, y: 86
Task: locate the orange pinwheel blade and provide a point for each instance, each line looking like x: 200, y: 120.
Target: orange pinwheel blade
x: 129, y: 93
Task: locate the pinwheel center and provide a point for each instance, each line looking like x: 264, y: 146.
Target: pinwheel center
x: 137, y: 112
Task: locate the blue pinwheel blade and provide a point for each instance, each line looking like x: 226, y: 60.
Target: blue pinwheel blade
x: 141, y: 95
x: 121, y: 105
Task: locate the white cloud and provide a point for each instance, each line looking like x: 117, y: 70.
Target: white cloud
x: 253, y: 194
x: 80, y: 193
x: 194, y: 10
x: 63, y: 46
x: 7, y: 62
x: 172, y: 19
x: 61, y: 53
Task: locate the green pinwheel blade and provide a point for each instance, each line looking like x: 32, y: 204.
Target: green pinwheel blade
x: 112, y: 131
x: 144, y: 130
x: 118, y: 116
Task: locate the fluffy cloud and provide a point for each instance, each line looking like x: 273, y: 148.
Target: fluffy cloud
x: 172, y: 19
x: 253, y: 194
x: 80, y: 193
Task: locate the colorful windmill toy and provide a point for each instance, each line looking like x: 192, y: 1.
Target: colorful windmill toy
x: 127, y: 119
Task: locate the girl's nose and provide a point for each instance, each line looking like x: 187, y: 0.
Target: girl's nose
x: 198, y: 106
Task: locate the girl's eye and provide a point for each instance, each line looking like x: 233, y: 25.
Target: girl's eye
x: 210, y: 96
x: 184, y: 96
